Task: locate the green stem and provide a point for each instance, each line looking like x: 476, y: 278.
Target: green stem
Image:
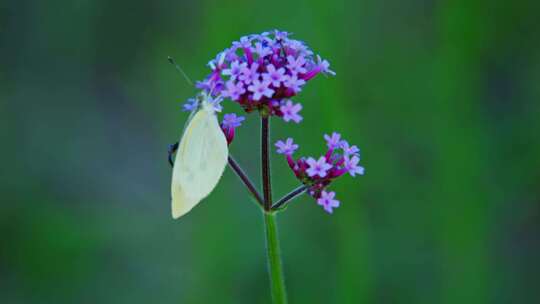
x: 277, y: 281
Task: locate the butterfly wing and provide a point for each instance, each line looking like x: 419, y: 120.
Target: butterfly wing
x: 200, y: 161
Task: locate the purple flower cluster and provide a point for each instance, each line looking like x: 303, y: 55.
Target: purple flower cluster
x: 263, y: 71
x: 318, y: 173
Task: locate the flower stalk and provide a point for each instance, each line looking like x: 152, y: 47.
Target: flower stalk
x: 245, y: 179
x: 273, y: 252
x: 275, y: 269
x: 289, y: 197
x: 265, y: 161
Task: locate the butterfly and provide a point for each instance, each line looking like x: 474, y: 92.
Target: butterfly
x: 201, y: 156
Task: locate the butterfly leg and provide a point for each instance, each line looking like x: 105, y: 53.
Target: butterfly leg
x: 170, y: 150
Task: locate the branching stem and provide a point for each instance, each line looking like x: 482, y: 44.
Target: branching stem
x: 289, y: 197
x: 245, y: 179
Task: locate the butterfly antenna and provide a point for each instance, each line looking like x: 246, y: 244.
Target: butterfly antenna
x: 179, y: 69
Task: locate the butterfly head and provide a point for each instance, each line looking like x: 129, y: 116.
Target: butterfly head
x: 209, y: 102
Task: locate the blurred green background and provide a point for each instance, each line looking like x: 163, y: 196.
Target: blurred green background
x: 442, y: 97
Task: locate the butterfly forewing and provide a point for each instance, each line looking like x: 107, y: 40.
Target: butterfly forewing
x: 200, y: 161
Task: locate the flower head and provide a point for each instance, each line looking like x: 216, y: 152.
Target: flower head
x: 351, y: 165
x: 232, y: 120
x: 296, y: 65
x: 293, y: 83
x: 324, y: 66
x: 235, y: 69
x: 244, y: 42
x: 275, y: 76
x: 280, y: 36
x: 250, y: 74
x: 261, y: 50
x: 327, y: 201
x: 290, y: 111
x: 333, y: 142
x: 261, y: 71
x: 288, y: 147
x: 233, y: 90
x: 260, y: 89
x: 317, y: 167
x: 229, y: 124
x: 349, y: 150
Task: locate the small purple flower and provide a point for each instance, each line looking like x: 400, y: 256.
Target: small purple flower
x: 190, y: 105
x: 260, y: 89
x: 218, y: 61
x: 288, y: 147
x: 235, y: 70
x: 231, y: 121
x: 334, y: 141
x: 213, y: 84
x: 296, y: 65
x: 281, y: 36
x: 290, y: 111
x: 293, y: 83
x: 248, y: 75
x: 231, y: 55
x: 349, y: 150
x: 317, y: 167
x: 203, y: 85
x: 324, y: 66
x: 327, y: 201
x: 233, y: 90
x: 351, y: 165
x: 275, y: 76
x: 245, y: 42
x: 261, y: 50
x: 300, y: 47
x: 264, y: 36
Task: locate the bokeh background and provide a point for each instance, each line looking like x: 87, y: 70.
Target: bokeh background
x: 442, y: 97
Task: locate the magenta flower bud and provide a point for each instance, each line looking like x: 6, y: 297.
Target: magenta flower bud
x: 229, y: 124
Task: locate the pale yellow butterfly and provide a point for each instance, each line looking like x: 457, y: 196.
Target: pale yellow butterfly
x: 200, y: 159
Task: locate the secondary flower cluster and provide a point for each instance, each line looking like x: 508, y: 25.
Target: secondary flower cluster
x: 318, y: 173
x: 263, y: 71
